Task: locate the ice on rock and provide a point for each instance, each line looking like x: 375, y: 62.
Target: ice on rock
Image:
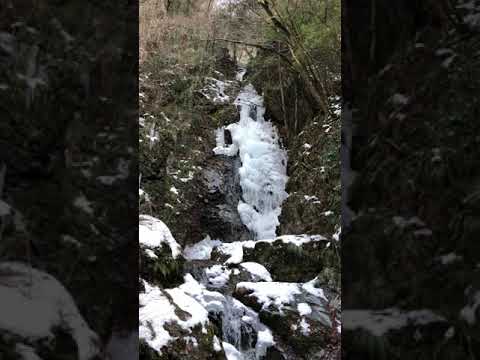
x: 231, y: 352
x: 5, y: 209
x: 212, y: 301
x: 240, y: 74
x: 263, y: 171
x: 201, y: 250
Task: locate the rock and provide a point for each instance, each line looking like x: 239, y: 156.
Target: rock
x: 174, y: 325
x: 292, y: 263
x: 60, y: 330
x: 295, y: 313
x: 220, y: 218
x: 160, y: 259
x: 383, y: 333
x: 274, y: 354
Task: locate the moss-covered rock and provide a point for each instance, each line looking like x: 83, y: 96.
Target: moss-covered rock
x: 291, y: 263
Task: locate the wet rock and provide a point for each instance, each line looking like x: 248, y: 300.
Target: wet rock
x: 220, y: 219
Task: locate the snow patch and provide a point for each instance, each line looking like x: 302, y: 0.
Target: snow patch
x: 304, y: 309
x: 257, y: 270
x: 153, y: 233
x: 272, y: 293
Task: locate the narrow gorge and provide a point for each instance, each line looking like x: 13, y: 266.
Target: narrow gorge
x: 248, y: 294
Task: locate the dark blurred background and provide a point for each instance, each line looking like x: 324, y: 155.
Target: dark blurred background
x: 68, y: 145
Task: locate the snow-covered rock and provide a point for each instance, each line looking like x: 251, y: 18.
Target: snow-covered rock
x: 153, y: 233
x: 27, y: 294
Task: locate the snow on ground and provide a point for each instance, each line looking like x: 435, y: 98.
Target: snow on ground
x: 263, y: 171
x: 282, y: 294
x: 379, y: 322
x: 28, y: 294
x: 257, y: 270
x: 153, y: 233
